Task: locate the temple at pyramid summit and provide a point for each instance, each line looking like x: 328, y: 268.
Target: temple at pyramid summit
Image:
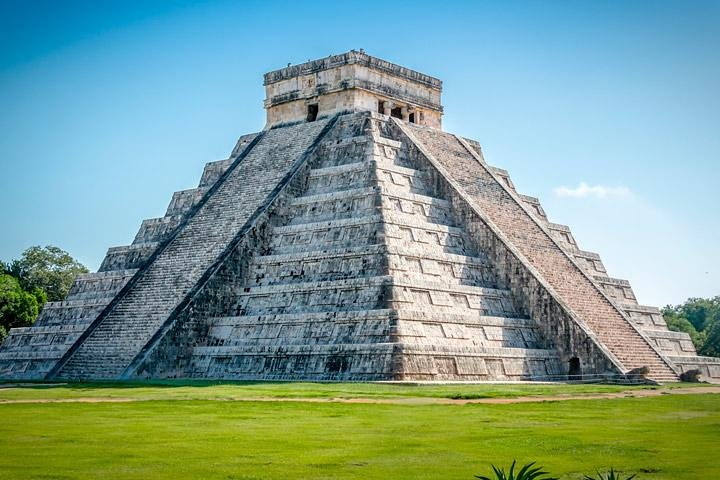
x: 351, y: 239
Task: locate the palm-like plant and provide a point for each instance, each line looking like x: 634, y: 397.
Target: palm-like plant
x: 527, y: 472
x: 611, y: 475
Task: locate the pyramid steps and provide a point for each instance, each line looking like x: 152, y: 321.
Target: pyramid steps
x: 157, y: 229
x: 127, y: 256
x: 318, y: 328
x: 444, y: 299
x: 617, y: 289
x: 367, y: 260
x: 344, y: 294
x: 99, y: 284
x: 328, y: 234
x: 351, y: 247
x: 329, y: 264
x: 116, y: 338
x: 648, y: 319
x: 184, y: 200
x: 360, y: 173
x: 31, y: 352
x: 367, y: 274
x: 363, y: 201
x: 534, y: 239
x: 413, y: 231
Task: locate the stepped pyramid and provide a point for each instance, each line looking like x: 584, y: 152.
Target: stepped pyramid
x: 351, y: 239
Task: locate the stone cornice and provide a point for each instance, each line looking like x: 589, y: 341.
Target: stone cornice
x: 350, y: 58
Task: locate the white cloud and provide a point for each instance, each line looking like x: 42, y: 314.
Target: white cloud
x: 597, y: 191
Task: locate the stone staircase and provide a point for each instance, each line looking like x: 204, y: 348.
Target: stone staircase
x: 114, y: 340
x: 31, y: 352
x: 677, y: 347
x: 350, y: 260
x: 517, y: 218
x: 368, y: 265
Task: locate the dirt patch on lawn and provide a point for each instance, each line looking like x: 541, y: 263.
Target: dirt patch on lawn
x: 400, y: 400
x: 593, y: 396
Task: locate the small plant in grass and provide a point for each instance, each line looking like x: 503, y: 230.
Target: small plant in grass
x: 527, y: 472
x: 611, y: 475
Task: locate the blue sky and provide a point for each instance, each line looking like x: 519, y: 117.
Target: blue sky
x: 608, y: 111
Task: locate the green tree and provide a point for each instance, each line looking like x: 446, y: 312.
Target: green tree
x: 18, y: 307
x: 3, y: 334
x: 50, y: 269
x: 701, y: 312
x: 711, y: 346
x: 700, y: 318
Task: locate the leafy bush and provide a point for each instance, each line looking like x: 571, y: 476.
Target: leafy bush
x: 50, y: 269
x: 527, y: 472
x: 699, y: 318
x: 611, y: 475
x: 18, y: 308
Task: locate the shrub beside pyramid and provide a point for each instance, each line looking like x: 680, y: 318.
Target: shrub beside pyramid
x: 351, y: 239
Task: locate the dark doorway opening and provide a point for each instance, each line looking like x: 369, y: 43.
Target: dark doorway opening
x: 337, y: 364
x: 411, y: 118
x: 381, y: 107
x: 396, y: 112
x: 574, y: 369
x: 312, y: 112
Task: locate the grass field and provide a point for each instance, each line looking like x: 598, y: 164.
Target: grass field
x: 196, y: 430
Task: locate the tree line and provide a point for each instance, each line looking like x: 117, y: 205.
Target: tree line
x: 41, y: 274
x: 700, y: 318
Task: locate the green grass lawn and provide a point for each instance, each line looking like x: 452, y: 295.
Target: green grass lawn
x: 209, y: 390
x: 177, y: 430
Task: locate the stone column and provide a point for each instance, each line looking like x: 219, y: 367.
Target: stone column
x: 387, y: 106
x: 404, y: 113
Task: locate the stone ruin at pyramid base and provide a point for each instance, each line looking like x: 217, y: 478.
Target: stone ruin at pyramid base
x: 351, y: 239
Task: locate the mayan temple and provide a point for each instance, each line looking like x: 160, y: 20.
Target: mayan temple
x: 351, y: 239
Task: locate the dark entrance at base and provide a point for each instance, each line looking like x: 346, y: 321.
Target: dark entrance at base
x: 312, y: 112
x: 396, y: 112
x: 574, y: 369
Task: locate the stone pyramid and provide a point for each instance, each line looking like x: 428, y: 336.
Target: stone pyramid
x: 351, y: 239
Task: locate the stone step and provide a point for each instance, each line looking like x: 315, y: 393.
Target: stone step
x: 371, y: 293
x: 369, y: 260
x: 71, y: 312
x: 157, y: 229
x: 343, y: 150
x: 616, y: 288
x: 444, y: 350
x: 359, y: 174
x: 413, y: 232
x: 364, y: 173
x: 590, y: 261
x: 127, y: 257
x: 350, y: 203
x: 340, y: 295
x: 329, y: 264
x: 184, y: 200
x: 443, y: 267
x: 314, y: 236
x: 366, y: 201
x: 439, y: 297
x: 213, y: 171
x: 99, y: 284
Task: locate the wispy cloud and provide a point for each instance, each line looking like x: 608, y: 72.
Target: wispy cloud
x: 597, y: 191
